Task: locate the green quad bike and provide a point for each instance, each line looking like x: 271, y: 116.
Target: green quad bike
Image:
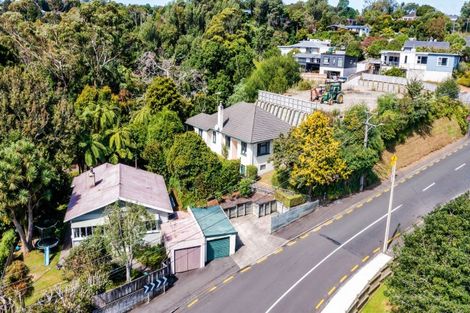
x: 333, y: 93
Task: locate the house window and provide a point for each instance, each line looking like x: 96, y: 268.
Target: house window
x: 406, y: 59
x: 227, y: 141
x: 340, y: 62
x: 152, y: 226
x: 76, y: 233
x: 262, y: 167
x: 200, y: 132
x: 243, y: 152
x: 83, y: 232
x: 334, y: 61
x: 242, y: 169
x: 422, y: 59
x: 263, y: 148
x: 214, y: 137
x: 441, y: 61
x: 326, y: 60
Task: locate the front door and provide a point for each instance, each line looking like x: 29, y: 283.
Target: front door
x: 234, y: 149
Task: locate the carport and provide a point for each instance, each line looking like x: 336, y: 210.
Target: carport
x: 185, y: 243
x: 218, y: 231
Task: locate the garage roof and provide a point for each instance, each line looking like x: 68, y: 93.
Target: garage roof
x: 213, y: 221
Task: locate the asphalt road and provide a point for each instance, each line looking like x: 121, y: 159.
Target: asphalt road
x: 302, y: 276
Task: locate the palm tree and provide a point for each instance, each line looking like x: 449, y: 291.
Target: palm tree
x: 120, y: 143
x: 92, y: 150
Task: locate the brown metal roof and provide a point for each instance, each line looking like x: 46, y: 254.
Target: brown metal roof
x: 113, y: 183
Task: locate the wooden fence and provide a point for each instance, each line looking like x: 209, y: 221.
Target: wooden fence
x: 124, y: 298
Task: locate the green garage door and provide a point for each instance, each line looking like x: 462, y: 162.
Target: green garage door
x: 218, y: 248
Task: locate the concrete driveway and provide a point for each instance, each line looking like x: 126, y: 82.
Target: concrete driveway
x: 254, y: 235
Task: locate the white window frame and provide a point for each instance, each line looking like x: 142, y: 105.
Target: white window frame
x: 214, y: 136
x: 326, y: 60
x: 440, y: 59
x: 419, y: 59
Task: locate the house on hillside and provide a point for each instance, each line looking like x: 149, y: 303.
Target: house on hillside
x: 410, y: 16
x: 107, y: 184
x: 245, y: 129
x: 424, y: 60
x: 308, y: 53
x: 337, y: 64
x: 361, y: 30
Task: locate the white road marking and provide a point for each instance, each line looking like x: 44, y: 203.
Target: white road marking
x: 459, y: 167
x: 428, y: 187
x: 326, y: 258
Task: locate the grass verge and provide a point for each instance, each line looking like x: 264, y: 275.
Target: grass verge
x: 378, y: 302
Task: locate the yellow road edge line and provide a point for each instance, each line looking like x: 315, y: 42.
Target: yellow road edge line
x: 304, y: 236
x: 278, y: 250
x: 327, y: 223
x: 319, y: 304
x: 349, y: 211
x: 376, y: 250
x: 396, y: 236
x: 331, y: 290
x: 228, y: 279
x: 339, y: 217
x: 317, y: 229
x: 291, y: 243
x: 355, y: 267
x: 365, y: 258
x: 359, y: 205
x: 245, y: 269
x: 369, y: 200
x: 262, y: 259
x: 343, y: 278
x: 213, y: 288
x: 193, y: 303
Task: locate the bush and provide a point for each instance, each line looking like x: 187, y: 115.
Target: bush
x: 244, y: 187
x: 252, y: 172
x: 8, y: 240
x: 17, y: 281
x: 448, y: 88
x: 464, y: 80
x: 289, y: 200
x: 151, y: 256
x: 304, y: 85
x: 394, y: 71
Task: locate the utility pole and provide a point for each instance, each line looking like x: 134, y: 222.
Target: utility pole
x: 368, y: 127
x: 393, y: 162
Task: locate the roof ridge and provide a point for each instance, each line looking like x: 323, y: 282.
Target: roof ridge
x: 253, y: 123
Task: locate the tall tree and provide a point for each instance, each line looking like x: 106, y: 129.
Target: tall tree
x: 319, y: 161
x: 26, y: 177
x: 125, y: 229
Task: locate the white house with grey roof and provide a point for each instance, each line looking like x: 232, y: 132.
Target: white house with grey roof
x: 107, y: 184
x: 308, y: 52
x: 423, y: 60
x: 247, y: 130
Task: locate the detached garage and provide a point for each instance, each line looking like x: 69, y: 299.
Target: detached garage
x: 184, y: 243
x: 219, y: 234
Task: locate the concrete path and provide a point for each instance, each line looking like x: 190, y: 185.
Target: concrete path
x: 257, y: 241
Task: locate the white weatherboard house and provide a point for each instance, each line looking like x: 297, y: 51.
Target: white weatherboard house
x: 245, y: 129
x: 107, y: 184
x: 427, y: 66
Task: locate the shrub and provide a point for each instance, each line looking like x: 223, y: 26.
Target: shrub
x: 448, y: 88
x: 464, y: 81
x: 251, y: 172
x: 151, y: 256
x: 304, y: 85
x: 8, y: 240
x: 244, y: 187
x: 289, y: 199
x: 17, y: 281
x: 394, y: 71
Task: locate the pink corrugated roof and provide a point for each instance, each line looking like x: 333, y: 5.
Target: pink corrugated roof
x: 113, y: 183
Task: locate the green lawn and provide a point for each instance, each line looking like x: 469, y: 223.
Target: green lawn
x: 43, y: 276
x: 378, y: 303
